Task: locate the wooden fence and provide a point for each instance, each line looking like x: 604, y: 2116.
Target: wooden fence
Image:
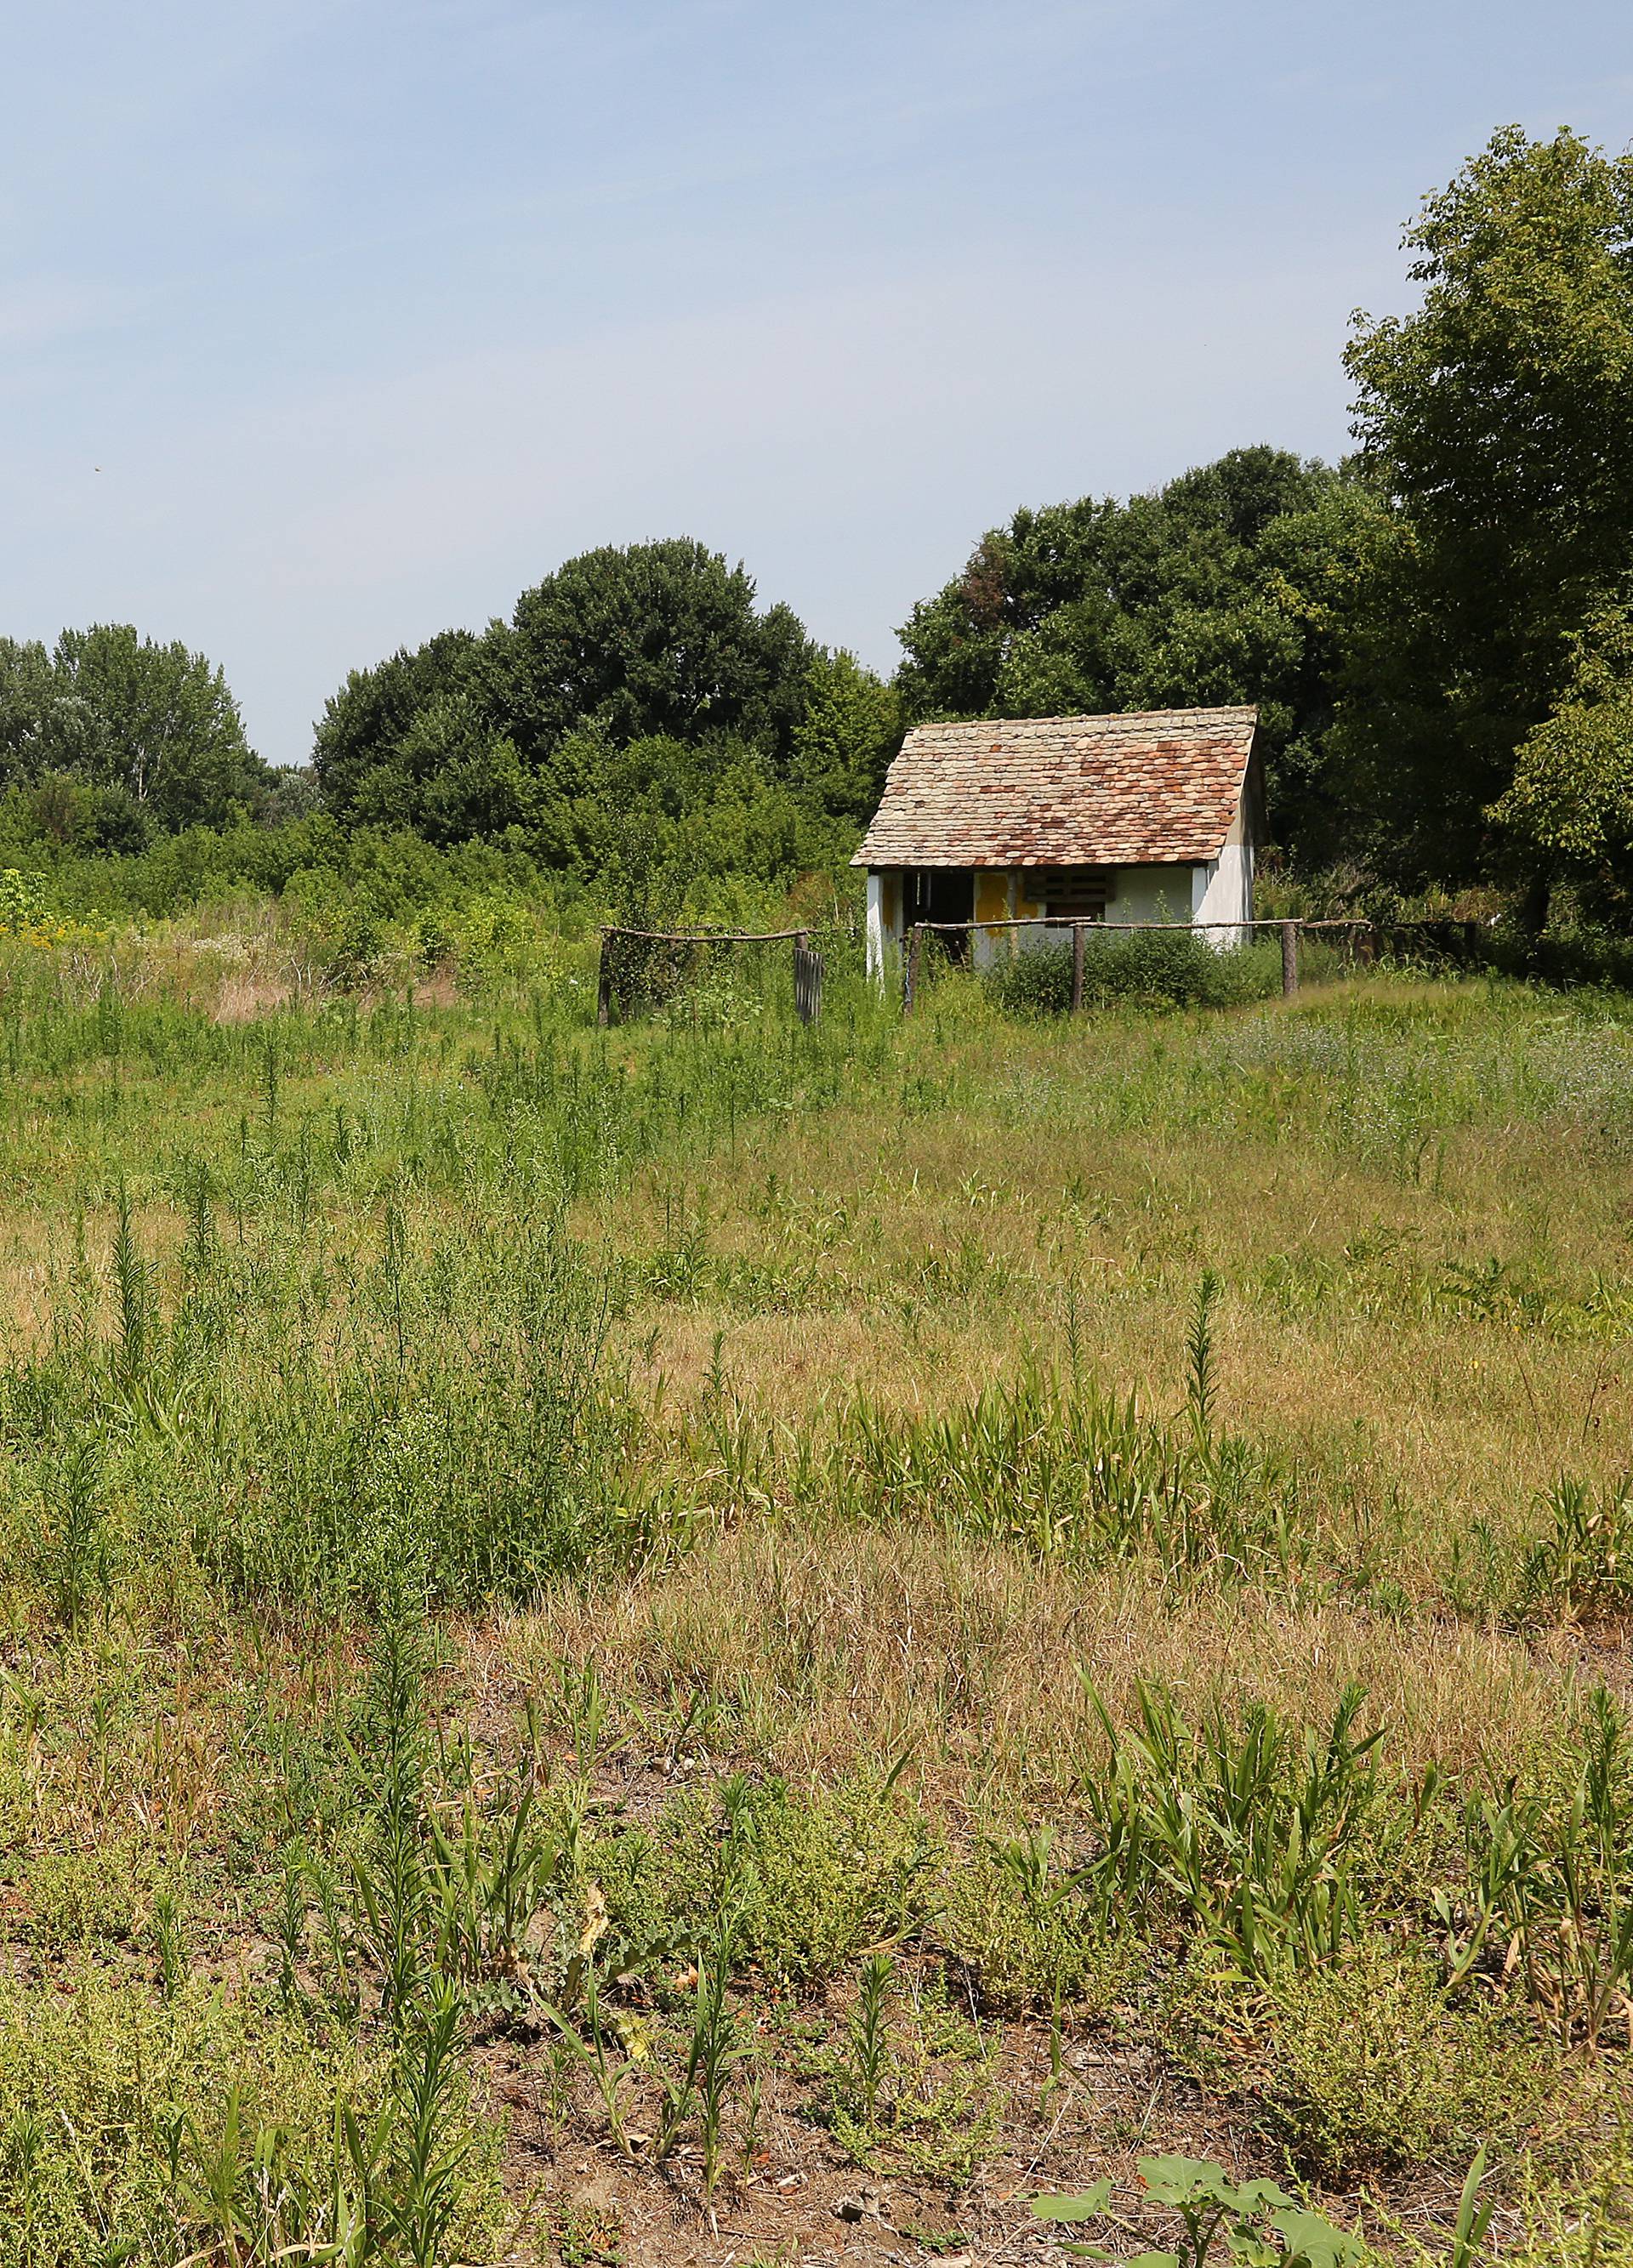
x: 1366, y: 936
x: 807, y: 961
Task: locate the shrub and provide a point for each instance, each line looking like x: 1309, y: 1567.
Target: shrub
x: 1165, y: 969
x: 813, y: 1879
x: 1372, y: 2067
x: 1026, y: 1935
x: 100, y: 2082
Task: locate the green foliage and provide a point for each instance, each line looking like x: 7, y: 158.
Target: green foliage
x: 635, y: 724
x: 1149, y: 967
x: 843, y: 744
x: 808, y: 1880
x: 910, y: 2079
x: 1059, y: 1468
x: 1549, y: 1900
x: 22, y: 901
x: 81, y: 1898
x: 656, y: 639
x: 1257, y: 2222
x: 1570, y: 800
x: 1582, y: 1561
x: 1371, y: 2068
x: 1253, y: 1831
x: 127, y: 736
x: 375, y: 757
x: 1223, y: 586
x: 104, y: 2083
x: 1497, y: 421
x: 447, y: 1405
x: 1030, y: 1930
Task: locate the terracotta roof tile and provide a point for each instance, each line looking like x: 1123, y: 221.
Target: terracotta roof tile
x: 1156, y: 788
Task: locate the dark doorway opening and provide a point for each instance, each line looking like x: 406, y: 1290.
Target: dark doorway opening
x: 943, y: 893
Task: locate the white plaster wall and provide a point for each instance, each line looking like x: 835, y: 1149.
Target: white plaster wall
x: 1224, y: 898
x: 878, y: 942
x: 1224, y: 889
x: 1152, y: 893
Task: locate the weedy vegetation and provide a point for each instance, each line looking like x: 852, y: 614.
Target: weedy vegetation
x: 723, y: 1636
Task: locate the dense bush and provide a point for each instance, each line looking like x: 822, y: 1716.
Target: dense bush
x: 1371, y: 2066
x: 1170, y: 969
x: 812, y: 1879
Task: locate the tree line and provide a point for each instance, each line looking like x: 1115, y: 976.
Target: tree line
x: 1438, y: 632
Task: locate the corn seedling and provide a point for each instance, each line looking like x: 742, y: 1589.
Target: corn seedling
x: 1251, y: 1830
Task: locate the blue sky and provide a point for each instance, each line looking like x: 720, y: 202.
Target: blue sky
x: 371, y: 312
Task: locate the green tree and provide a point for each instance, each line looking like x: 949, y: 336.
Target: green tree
x: 1570, y: 800
x: 148, y: 734
x: 844, y: 742
x: 365, y: 775
x: 1496, y: 423
x: 1226, y: 585
x: 655, y: 638
x: 27, y: 689
x: 627, y: 683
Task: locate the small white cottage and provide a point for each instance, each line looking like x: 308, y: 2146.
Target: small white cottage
x: 1145, y: 818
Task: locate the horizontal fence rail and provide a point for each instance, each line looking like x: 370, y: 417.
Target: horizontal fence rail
x: 708, y: 936
x: 1367, y: 930
x: 807, y: 961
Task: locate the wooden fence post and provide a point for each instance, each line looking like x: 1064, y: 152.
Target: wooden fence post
x: 1077, y: 968
x: 915, y: 968
x: 807, y: 979
x: 603, y: 987
x: 1290, y: 959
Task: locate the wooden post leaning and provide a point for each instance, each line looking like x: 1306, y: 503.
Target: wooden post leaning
x: 914, y: 968
x: 807, y: 980
x: 1077, y: 968
x: 603, y: 985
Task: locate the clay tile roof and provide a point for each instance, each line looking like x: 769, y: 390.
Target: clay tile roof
x: 1157, y: 789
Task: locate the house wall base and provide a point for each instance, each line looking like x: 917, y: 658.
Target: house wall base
x: 1215, y: 898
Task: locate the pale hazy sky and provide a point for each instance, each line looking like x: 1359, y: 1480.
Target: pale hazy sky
x: 371, y: 312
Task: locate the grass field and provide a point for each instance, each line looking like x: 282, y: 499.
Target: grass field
x: 713, y: 1642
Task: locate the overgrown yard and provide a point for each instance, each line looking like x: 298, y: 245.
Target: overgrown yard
x: 713, y: 1642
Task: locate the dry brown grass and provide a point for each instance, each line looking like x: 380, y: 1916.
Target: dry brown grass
x: 828, y: 1651
x: 914, y: 1252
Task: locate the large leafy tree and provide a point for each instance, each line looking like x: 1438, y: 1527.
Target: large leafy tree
x: 1571, y: 799
x: 1496, y: 423
x: 1226, y: 585
x: 152, y: 729
x: 658, y: 647
x: 656, y: 638
x: 385, y: 741
x: 844, y: 742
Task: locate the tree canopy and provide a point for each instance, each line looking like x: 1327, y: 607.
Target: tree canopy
x: 1223, y: 586
x: 637, y: 717
x: 1571, y: 799
x: 1496, y: 422
x: 148, y: 733
x: 653, y: 638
